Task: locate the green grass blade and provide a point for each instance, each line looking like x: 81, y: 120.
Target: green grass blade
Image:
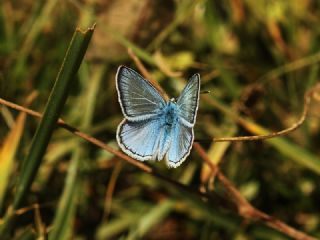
x: 7, y: 155
x: 141, y: 53
x: 113, y: 227
x: 295, y: 152
x: 57, y: 99
x: 153, y: 217
x: 62, y: 223
x: 63, y: 219
x: 30, y: 38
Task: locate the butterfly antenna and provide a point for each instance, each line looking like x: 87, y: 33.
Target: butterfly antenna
x: 203, y: 140
x: 205, y: 92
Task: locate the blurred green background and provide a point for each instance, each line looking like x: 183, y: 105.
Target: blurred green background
x: 256, y: 57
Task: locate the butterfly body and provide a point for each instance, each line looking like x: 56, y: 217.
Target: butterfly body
x: 154, y: 129
x: 170, y: 114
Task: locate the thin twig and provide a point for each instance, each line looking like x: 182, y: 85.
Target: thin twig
x: 110, y: 189
x: 307, y: 100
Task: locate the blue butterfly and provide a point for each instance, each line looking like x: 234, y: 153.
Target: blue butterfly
x: 154, y: 128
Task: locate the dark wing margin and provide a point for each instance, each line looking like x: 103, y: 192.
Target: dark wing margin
x: 139, y: 100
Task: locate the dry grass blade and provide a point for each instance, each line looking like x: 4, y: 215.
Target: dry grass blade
x: 9, y: 148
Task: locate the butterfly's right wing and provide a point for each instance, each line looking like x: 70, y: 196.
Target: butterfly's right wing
x: 140, y: 140
x: 188, y: 101
x: 139, y: 100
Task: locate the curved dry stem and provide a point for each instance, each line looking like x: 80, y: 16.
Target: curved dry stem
x: 307, y: 99
x: 110, y: 190
x: 245, y: 209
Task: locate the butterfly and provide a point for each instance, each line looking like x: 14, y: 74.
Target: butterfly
x: 153, y: 128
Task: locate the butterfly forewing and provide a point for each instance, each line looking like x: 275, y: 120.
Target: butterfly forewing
x: 139, y: 100
x: 189, y: 100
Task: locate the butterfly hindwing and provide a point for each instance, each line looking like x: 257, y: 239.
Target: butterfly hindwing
x: 189, y: 100
x: 182, y: 139
x: 139, y: 140
x: 139, y: 100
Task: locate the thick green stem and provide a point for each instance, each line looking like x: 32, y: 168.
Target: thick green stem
x: 64, y: 82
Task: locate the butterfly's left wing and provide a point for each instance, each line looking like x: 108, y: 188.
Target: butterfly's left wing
x: 189, y: 100
x: 180, y: 146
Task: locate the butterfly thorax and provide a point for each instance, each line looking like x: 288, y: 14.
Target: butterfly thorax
x: 170, y: 113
